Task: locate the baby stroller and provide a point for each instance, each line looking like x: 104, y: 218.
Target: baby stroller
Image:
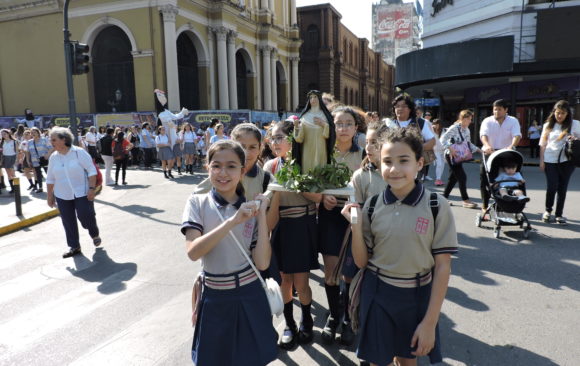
x: 503, y: 212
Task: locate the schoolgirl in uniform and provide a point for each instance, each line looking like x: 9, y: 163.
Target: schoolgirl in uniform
x: 188, y: 137
x: 165, y: 153
x: 367, y: 181
x: 294, y: 244
x: 405, y: 247
x: 234, y: 324
x: 332, y: 226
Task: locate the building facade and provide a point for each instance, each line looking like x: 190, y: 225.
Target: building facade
x: 334, y: 60
x: 207, y: 54
x: 396, y: 28
x: 476, y: 52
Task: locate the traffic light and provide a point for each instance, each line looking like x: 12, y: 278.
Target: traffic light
x: 80, y: 58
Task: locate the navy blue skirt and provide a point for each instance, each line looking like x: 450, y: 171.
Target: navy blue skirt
x: 234, y: 327
x: 294, y: 244
x: 331, y: 229
x: 389, y: 316
x: 349, y: 268
x: 189, y: 148
x: 165, y: 153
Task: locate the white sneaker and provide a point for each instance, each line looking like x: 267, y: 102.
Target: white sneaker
x: 428, y: 177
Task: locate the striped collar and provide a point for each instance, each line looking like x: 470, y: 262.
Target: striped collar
x: 412, y: 198
x: 222, y: 202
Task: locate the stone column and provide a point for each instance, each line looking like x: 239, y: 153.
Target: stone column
x: 274, y: 89
x: 169, y: 13
x: 267, y: 83
x: 265, y: 4
x: 293, y: 16
x: 213, y: 85
x: 222, y: 70
x: 294, y: 83
x: 233, y: 85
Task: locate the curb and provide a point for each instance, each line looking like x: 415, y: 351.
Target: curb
x: 34, y: 219
x: 28, y: 222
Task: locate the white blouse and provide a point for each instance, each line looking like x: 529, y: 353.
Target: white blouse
x: 69, y: 173
x: 553, y: 146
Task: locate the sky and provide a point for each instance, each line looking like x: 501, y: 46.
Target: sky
x: 356, y: 14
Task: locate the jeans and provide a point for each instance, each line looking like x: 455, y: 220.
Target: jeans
x: 456, y: 175
x: 108, y: 166
x: 557, y: 178
x: 82, y: 208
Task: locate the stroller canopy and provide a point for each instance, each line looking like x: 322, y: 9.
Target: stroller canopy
x: 497, y: 159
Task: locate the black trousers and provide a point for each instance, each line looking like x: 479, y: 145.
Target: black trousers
x: 121, y: 164
x: 534, y: 148
x: 557, y: 178
x: 483, y: 186
x: 456, y: 175
x: 149, y: 156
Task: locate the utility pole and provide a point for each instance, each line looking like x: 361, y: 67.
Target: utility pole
x: 76, y: 57
x: 69, y: 76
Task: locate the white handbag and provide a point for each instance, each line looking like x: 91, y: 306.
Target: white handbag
x: 270, y: 286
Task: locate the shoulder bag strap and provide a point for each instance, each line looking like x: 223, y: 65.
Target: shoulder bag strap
x: 371, y: 208
x: 460, y: 134
x: 240, y: 246
x: 266, y: 181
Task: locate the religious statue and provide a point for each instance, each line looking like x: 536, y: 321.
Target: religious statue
x: 166, y: 118
x: 314, y: 134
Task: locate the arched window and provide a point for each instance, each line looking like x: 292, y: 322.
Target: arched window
x: 345, y: 97
x: 345, y: 51
x: 187, y: 72
x: 242, y: 81
x: 114, y: 80
x: 312, y: 38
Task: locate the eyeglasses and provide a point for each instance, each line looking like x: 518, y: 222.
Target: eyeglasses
x: 278, y: 139
x: 345, y: 125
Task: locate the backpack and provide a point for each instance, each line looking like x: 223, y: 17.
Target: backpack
x: 119, y: 152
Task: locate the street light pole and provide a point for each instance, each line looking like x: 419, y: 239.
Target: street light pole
x: 69, y: 74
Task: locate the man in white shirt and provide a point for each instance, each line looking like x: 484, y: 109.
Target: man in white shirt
x: 499, y: 131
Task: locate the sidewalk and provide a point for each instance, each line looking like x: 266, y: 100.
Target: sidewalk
x: 34, y: 207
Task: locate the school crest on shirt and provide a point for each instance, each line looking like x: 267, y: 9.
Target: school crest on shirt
x: 248, y: 230
x: 421, y: 226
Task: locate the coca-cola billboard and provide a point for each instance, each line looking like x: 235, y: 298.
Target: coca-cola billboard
x: 394, y: 21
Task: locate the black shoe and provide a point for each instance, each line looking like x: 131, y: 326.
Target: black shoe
x: 305, y: 335
x: 97, y: 241
x: 347, y: 335
x: 30, y: 187
x: 329, y: 331
x: 72, y: 252
x: 289, y: 338
x: 38, y: 190
x: 364, y: 363
x: 125, y: 183
x: 169, y: 174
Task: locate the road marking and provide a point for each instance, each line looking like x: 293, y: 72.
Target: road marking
x: 150, y: 340
x: 14, y: 257
x: 36, y: 279
x: 21, y: 332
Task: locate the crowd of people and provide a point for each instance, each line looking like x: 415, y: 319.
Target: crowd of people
x: 395, y: 258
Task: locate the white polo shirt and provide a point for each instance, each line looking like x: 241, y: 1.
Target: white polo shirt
x: 69, y: 173
x: 500, y: 136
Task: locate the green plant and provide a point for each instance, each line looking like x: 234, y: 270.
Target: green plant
x: 329, y: 176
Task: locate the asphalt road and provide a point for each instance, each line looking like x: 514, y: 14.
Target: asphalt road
x: 511, y: 301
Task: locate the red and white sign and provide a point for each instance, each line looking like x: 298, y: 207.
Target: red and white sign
x: 394, y: 21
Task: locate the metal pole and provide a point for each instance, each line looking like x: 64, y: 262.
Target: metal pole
x: 69, y: 75
x: 17, y: 197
